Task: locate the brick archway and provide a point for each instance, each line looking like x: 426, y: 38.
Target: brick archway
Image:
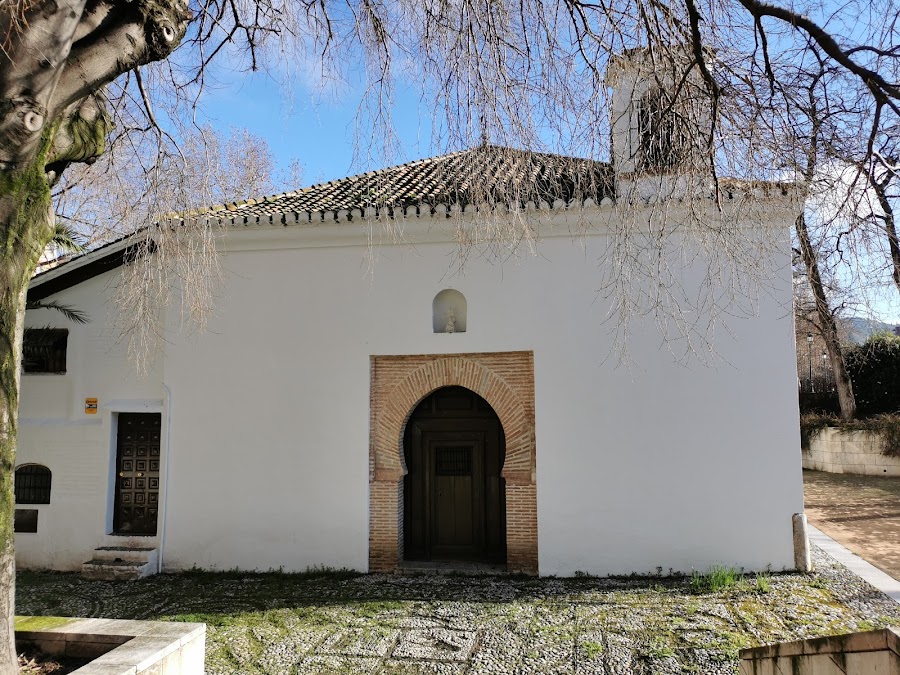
x: 398, y: 383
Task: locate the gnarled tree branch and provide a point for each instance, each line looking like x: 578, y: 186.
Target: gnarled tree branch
x: 36, y: 41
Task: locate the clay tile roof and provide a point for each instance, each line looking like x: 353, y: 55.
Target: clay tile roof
x: 457, y: 178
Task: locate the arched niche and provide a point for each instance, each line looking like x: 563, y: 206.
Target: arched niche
x: 448, y: 312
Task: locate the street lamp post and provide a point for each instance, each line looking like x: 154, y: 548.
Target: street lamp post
x: 809, y: 340
x: 825, y: 369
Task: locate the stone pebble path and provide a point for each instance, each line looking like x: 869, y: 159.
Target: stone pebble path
x: 328, y: 623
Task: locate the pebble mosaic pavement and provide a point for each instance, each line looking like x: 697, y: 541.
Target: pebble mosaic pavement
x: 454, y: 625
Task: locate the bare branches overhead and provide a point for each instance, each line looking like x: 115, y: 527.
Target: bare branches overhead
x: 724, y: 93
x: 528, y: 73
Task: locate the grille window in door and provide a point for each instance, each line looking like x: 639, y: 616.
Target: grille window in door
x: 137, y: 473
x: 453, y: 461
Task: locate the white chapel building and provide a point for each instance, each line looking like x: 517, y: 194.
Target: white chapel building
x: 409, y: 412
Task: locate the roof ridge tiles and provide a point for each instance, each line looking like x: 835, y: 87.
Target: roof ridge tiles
x: 446, y: 176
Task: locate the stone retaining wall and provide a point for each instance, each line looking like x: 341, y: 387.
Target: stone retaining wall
x: 859, y: 452
x: 867, y: 653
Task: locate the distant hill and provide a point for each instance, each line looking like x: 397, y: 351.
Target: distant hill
x: 859, y: 328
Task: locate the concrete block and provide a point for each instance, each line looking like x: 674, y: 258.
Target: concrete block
x: 140, y: 653
x: 53, y: 647
x: 98, y: 669
x: 868, y: 653
x: 856, y: 437
x: 193, y: 654
x: 128, y: 647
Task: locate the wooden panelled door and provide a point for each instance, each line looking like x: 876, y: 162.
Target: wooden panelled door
x: 454, y: 497
x: 137, y: 473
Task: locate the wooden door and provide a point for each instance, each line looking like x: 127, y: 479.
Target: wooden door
x: 454, y: 462
x: 137, y: 473
x: 454, y: 501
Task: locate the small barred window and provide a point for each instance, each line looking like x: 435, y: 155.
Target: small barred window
x: 33, y: 484
x: 44, y: 350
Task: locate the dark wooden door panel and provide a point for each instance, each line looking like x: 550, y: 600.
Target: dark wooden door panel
x: 456, y: 510
x: 137, y: 473
x: 454, y: 498
x: 454, y: 529
x: 414, y: 497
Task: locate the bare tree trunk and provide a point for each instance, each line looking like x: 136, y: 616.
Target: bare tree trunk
x: 827, y: 324
x: 25, y: 226
x: 890, y: 229
x: 11, y: 321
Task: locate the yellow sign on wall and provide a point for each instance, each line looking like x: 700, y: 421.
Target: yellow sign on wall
x: 90, y: 406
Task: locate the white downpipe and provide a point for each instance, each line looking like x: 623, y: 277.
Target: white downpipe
x: 165, y: 504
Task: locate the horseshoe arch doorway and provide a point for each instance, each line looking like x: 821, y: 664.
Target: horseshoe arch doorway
x: 454, y: 495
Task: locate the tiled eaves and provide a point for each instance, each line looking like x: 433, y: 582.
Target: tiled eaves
x: 446, y: 211
x: 437, y: 211
x: 76, y: 269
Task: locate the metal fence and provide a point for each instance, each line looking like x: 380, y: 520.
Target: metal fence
x: 815, y: 381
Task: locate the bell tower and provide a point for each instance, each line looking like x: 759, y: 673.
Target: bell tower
x: 659, y: 121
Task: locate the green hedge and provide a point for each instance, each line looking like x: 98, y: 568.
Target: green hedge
x: 874, y: 368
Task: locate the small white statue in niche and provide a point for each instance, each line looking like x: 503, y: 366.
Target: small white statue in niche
x: 450, y: 326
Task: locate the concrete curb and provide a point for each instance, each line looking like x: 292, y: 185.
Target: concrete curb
x: 866, y: 571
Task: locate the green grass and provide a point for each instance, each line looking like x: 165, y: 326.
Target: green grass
x: 716, y: 579
x: 41, y: 622
x: 658, y: 649
x: 720, y: 578
x: 591, y: 649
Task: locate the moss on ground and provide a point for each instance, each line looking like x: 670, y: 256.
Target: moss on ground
x: 346, y: 622
x: 35, y: 623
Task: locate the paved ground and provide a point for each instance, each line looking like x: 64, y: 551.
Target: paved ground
x: 860, y: 512
x: 330, y: 623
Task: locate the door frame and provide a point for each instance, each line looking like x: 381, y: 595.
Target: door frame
x: 397, y: 382
x: 111, y: 411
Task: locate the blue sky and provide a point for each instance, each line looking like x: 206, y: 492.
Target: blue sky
x: 319, y: 133
x: 301, y: 126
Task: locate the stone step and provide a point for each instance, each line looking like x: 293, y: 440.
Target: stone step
x: 112, y: 563
x: 125, y: 553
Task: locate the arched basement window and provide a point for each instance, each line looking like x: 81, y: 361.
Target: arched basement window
x: 33, y: 484
x: 448, y: 312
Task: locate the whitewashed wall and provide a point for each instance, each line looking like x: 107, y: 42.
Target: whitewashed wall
x: 77, y: 448
x: 654, y: 466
